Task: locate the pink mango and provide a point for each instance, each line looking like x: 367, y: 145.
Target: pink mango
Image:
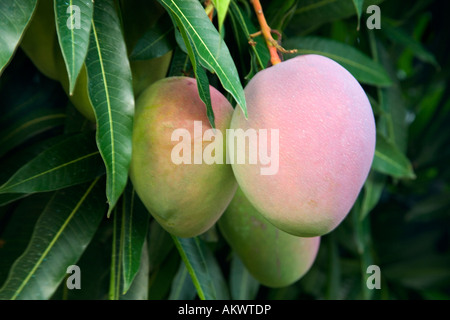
x: 326, y: 143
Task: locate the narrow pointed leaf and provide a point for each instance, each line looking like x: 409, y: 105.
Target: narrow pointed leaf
x: 14, y: 17
x: 242, y: 284
x: 129, y: 233
x: 389, y: 160
x: 135, y: 224
x: 359, y: 7
x: 398, y: 35
x: 363, y: 68
x: 182, y: 286
x: 17, y: 232
x: 207, y: 42
x: 72, y: 161
x: 156, y: 42
x: 310, y: 14
x: 200, y: 73
x: 111, y: 94
x: 73, y: 25
x: 138, y: 289
x: 222, y: 9
x: 60, y: 236
x: 260, y: 49
x: 29, y: 126
x: 203, y: 268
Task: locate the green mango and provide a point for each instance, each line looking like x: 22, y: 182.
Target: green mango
x: 39, y: 39
x: 274, y: 257
x: 185, y: 197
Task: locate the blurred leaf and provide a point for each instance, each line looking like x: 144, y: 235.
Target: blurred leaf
x: 207, y: 42
x: 180, y: 65
x: 28, y: 126
x: 159, y: 245
x: 156, y: 42
x: 60, y: 236
x: 399, y: 36
x: 162, y: 277
x: 242, y: 284
x: 203, y: 268
x: 279, y: 13
x: 389, y: 160
x: 8, y: 198
x: 357, y: 63
x: 373, y: 188
x: 222, y: 9
x: 139, y: 287
x: 111, y: 94
x: 334, y: 269
x: 432, y: 207
x: 182, y: 286
x: 72, y: 161
x: 423, y: 272
x: 14, y: 17
x: 311, y: 14
x: 73, y: 39
x: 358, y: 6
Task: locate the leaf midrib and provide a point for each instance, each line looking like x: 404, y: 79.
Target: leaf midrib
x: 52, y: 243
x: 2, y: 190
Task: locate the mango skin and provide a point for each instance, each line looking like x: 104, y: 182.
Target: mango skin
x: 186, y: 199
x: 274, y: 257
x: 39, y: 39
x: 326, y: 143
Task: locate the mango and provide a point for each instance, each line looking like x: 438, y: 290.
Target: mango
x: 273, y: 257
x: 324, y: 145
x: 39, y: 39
x: 186, y: 197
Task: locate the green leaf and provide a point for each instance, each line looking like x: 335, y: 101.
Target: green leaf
x: 111, y: 94
x: 200, y: 73
x: 398, y: 35
x: 363, y: 68
x: 222, y: 9
x: 72, y: 161
x: 260, y: 49
x: 207, y: 42
x: 310, y: 14
x: 14, y: 17
x: 182, y: 286
x: 73, y: 38
x: 156, y: 42
x: 392, y: 122
x: 18, y: 230
x: 203, y: 268
x: 138, y: 289
x: 242, y: 284
x: 358, y: 6
x: 373, y: 188
x: 60, y: 236
x: 28, y: 126
x: 130, y: 225
x: 389, y: 160
x: 159, y: 245
x: 162, y: 277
